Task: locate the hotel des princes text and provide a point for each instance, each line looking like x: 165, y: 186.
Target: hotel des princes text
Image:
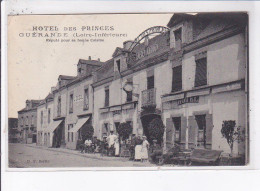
x: 191, y: 77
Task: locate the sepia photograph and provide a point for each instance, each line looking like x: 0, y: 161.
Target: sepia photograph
x: 128, y: 90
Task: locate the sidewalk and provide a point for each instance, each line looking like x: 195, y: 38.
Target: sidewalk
x: 78, y: 153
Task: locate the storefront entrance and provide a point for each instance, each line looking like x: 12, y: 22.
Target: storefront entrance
x: 147, y: 116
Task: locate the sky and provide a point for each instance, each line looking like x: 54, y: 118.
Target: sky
x: 34, y: 64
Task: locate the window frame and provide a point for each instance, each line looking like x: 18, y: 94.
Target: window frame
x: 86, y: 100
x: 107, y: 97
x: 198, y: 71
x: 71, y: 103
x: 179, y: 131
x: 177, y: 84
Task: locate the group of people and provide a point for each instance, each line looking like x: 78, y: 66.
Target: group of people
x: 139, y: 147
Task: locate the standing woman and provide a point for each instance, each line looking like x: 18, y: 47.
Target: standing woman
x: 116, y: 145
x: 145, y: 147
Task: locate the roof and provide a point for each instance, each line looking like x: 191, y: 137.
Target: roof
x: 107, y: 70
x: 90, y: 62
x: 64, y: 77
x: 35, y: 104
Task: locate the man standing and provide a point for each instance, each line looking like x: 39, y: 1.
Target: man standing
x: 132, y: 147
x: 111, y: 141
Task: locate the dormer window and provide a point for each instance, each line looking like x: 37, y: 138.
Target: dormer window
x: 118, y: 65
x: 178, y: 38
x: 79, y: 70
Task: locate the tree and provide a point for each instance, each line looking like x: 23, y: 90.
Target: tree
x: 156, y: 130
x: 87, y: 132
x: 124, y: 130
x: 232, y: 133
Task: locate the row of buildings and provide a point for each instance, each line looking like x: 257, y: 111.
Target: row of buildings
x: 192, y: 76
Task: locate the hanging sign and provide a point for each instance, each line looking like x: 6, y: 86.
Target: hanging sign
x: 194, y: 99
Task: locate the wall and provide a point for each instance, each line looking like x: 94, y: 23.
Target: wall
x: 225, y: 58
x: 42, y: 127
x: 78, y: 103
x: 63, y: 94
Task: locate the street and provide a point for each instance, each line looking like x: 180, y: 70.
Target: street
x: 32, y: 156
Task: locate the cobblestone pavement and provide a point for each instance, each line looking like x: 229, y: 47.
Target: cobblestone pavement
x: 30, y: 156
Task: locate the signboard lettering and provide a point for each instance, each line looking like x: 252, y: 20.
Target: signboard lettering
x: 194, y: 99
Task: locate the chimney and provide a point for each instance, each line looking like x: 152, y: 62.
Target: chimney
x: 89, y: 57
x: 98, y: 59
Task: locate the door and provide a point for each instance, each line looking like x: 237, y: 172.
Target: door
x: 201, y: 122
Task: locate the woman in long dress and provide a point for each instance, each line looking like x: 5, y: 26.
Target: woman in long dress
x: 138, y: 149
x: 145, y: 147
x: 116, y: 145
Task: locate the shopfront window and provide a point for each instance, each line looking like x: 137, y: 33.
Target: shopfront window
x: 177, y: 128
x: 201, y: 122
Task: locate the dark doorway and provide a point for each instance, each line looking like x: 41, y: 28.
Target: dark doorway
x: 146, y: 120
x: 201, y: 122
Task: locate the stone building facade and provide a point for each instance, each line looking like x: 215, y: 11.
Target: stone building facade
x: 45, y: 121
x: 192, y: 76
x: 186, y: 76
x: 27, y: 121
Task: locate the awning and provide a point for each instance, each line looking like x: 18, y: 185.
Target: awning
x: 79, y: 124
x: 53, y: 126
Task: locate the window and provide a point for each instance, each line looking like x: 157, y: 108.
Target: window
x: 71, y: 103
x: 32, y: 120
x: 106, y: 97
x: 68, y: 133
x: 41, y: 117
x: 178, y: 38
x: 79, y: 70
x: 59, y: 106
x: 150, y: 82
x: 71, y: 136
x: 201, y: 72
x: 177, y: 127
x: 201, y: 122
x: 129, y: 96
x: 118, y: 65
x: 177, y: 78
x: 86, y: 99
x: 22, y: 121
x: 49, y: 115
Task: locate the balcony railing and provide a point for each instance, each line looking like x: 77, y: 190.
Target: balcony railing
x: 148, y: 97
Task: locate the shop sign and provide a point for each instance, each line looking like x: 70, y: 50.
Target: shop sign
x: 194, y: 99
x: 147, y: 51
x: 117, y: 112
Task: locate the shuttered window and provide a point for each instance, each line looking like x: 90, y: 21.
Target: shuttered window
x: 201, y: 72
x: 177, y: 78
